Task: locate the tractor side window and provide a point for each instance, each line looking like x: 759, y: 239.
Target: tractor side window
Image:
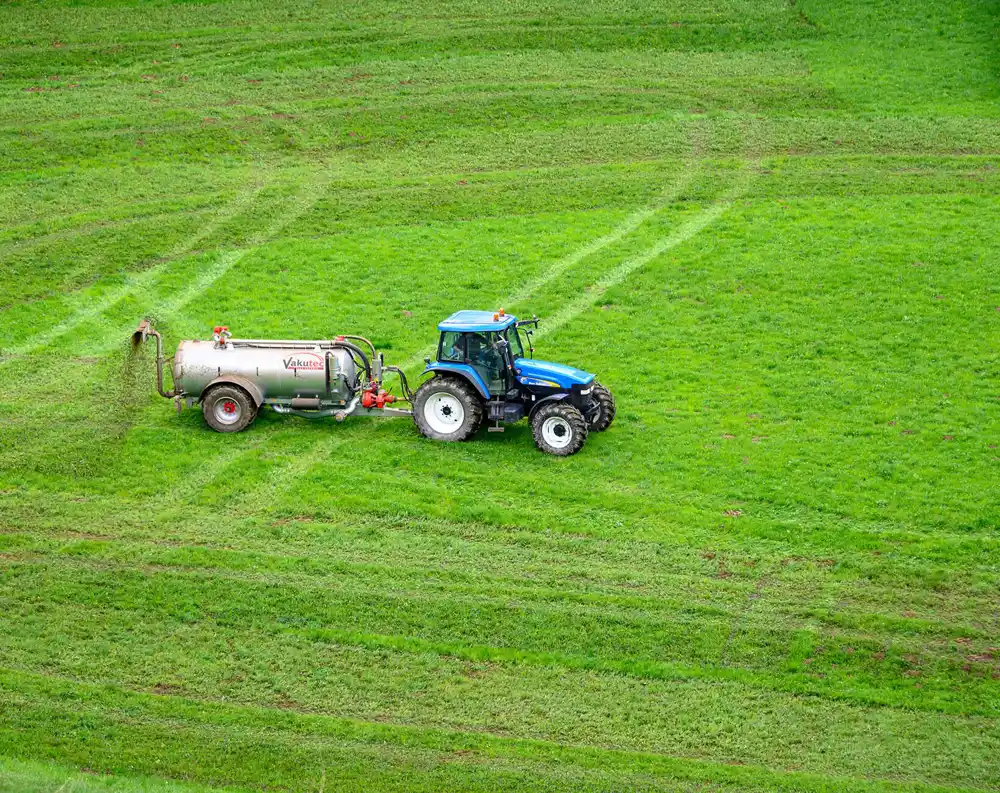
x: 452, y: 347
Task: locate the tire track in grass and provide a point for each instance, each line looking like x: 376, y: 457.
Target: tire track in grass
x: 113, y: 335
x: 784, y: 601
x: 278, y: 478
x: 287, y: 575
x: 626, y: 227
x: 619, y: 232
x: 350, y: 589
x: 307, y: 198
x: 320, y: 569
x: 301, y: 463
x: 208, y: 471
x: 87, y: 228
x: 744, y: 619
x: 613, y: 278
x: 142, y: 281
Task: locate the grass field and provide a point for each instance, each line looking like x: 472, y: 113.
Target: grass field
x: 769, y: 225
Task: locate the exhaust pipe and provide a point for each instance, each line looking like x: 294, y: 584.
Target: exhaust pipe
x: 139, y: 335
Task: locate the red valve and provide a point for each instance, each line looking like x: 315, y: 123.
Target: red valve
x: 375, y: 397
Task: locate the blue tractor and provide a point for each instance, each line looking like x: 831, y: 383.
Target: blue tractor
x: 482, y: 374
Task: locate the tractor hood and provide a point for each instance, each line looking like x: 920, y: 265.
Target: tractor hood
x: 553, y: 375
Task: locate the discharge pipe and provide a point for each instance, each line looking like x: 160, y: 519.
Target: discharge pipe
x: 141, y: 333
x: 365, y: 341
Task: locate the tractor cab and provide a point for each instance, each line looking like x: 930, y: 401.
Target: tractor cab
x: 481, y: 373
x: 478, y: 344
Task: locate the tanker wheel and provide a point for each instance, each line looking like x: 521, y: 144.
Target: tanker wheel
x: 447, y: 409
x: 607, y: 414
x: 228, y: 408
x: 559, y: 429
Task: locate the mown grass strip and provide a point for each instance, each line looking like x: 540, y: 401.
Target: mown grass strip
x: 698, y: 593
x: 128, y: 732
x: 684, y: 642
x: 20, y: 776
x: 887, y: 584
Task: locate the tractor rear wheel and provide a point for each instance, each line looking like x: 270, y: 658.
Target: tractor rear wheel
x: 228, y: 408
x: 607, y: 413
x: 447, y: 409
x: 559, y: 428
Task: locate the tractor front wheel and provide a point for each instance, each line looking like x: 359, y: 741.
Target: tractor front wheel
x: 606, y: 415
x: 559, y: 429
x: 447, y: 409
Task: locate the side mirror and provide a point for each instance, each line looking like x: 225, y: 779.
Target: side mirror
x: 531, y: 349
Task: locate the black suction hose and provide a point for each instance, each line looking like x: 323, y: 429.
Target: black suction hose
x: 354, y: 350
x: 407, y: 393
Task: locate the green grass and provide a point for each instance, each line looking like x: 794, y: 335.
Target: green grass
x: 769, y: 225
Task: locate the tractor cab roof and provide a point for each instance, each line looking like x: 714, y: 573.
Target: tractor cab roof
x: 463, y: 321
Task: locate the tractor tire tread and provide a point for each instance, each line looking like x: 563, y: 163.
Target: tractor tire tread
x: 464, y: 392
x: 572, y: 416
x: 608, y: 409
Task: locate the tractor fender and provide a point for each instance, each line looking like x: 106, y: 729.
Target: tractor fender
x: 234, y: 379
x: 546, y: 401
x: 439, y: 369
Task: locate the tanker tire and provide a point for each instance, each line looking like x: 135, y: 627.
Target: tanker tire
x: 559, y: 429
x: 228, y: 408
x: 608, y: 409
x: 447, y: 409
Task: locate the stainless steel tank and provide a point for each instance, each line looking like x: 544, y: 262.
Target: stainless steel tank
x: 285, y: 372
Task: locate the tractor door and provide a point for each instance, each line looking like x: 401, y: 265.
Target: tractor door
x: 486, y: 358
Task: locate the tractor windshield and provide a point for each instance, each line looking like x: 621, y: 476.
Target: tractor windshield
x: 514, y: 343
